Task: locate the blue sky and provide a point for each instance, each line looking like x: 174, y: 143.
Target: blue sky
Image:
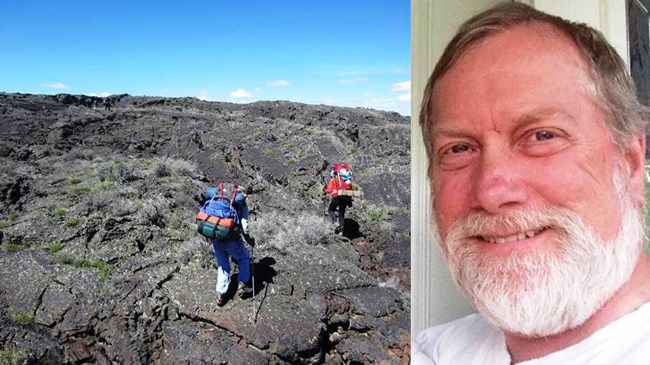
x: 336, y: 52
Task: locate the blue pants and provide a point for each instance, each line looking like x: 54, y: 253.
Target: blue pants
x: 223, y: 251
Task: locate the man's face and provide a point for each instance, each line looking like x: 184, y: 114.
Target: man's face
x: 518, y: 142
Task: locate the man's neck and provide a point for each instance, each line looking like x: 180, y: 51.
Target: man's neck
x: 634, y: 293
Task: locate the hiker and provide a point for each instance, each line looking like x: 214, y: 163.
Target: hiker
x: 536, y: 145
x: 107, y: 104
x: 340, y: 182
x: 227, y: 203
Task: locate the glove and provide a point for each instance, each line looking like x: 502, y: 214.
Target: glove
x: 244, y: 226
x: 249, y: 239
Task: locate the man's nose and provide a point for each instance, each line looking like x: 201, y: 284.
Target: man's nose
x: 499, y: 183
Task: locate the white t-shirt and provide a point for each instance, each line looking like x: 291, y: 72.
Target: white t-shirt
x: 472, y: 340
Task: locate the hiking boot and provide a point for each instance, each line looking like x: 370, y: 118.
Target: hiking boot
x: 243, y: 290
x: 221, y: 299
x: 338, y: 229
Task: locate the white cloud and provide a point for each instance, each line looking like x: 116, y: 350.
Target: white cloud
x: 402, y: 86
x: 258, y: 89
x: 240, y: 94
x: 390, y: 104
x: 404, y: 97
x: 56, y: 85
x: 380, y: 102
x: 204, y: 95
x: 277, y: 83
x: 353, y: 81
x: 103, y: 95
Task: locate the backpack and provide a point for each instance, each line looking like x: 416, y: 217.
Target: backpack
x: 218, y: 217
x: 343, y: 170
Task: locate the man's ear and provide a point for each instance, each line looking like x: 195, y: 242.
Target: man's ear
x: 635, y: 158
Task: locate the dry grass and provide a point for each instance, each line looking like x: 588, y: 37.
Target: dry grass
x: 286, y: 233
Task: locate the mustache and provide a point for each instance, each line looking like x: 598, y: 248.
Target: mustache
x: 479, y: 224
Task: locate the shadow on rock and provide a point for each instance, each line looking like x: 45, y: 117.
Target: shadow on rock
x: 352, y: 229
x: 263, y: 271
x: 263, y: 275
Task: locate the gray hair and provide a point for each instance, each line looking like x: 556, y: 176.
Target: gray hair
x: 613, y: 88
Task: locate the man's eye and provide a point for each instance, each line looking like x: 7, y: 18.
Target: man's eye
x: 456, y: 154
x: 544, y: 142
x: 544, y: 135
x: 459, y: 148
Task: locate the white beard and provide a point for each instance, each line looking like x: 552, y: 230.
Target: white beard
x: 547, y: 291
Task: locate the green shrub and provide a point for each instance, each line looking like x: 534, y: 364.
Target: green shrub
x: 5, y: 223
x: 401, y: 211
x: 52, y: 247
x: 110, y: 177
x: 79, y: 190
x: 72, y: 222
x: 64, y: 258
x: 20, y: 317
x: 67, y: 259
x: 268, y: 152
x: 375, y: 213
x: 74, y: 180
x: 12, y: 357
x: 90, y: 341
x: 288, y: 144
x: 14, y: 215
x: 147, y: 164
x: 60, y: 212
x: 15, y: 247
x: 106, y: 185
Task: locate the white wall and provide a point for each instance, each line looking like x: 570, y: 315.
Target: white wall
x: 608, y: 16
x: 434, y: 298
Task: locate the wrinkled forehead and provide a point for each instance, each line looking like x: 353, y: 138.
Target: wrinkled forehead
x: 523, y: 57
x: 516, y: 48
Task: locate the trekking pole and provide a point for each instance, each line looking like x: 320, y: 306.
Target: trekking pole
x: 253, y: 280
x: 325, y: 164
x: 324, y: 208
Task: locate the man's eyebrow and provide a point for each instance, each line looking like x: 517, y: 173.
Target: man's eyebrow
x: 536, y: 115
x: 449, y: 129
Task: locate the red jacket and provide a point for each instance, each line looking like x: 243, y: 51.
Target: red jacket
x: 336, y: 184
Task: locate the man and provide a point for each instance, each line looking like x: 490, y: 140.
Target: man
x: 341, y: 179
x: 536, y: 145
x: 233, y: 247
x: 107, y: 104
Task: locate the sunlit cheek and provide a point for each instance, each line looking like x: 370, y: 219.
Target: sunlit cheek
x: 445, y: 215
